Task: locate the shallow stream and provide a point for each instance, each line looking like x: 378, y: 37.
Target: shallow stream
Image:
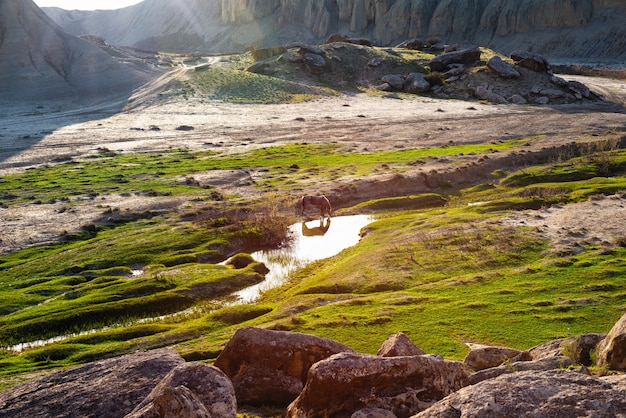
x: 311, y: 241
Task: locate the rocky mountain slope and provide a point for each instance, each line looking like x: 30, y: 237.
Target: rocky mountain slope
x: 584, y: 30
x: 38, y: 60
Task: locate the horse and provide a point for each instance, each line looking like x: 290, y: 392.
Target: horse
x: 316, y: 231
x: 320, y: 201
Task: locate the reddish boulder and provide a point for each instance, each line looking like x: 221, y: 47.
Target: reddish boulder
x: 345, y: 383
x: 268, y: 366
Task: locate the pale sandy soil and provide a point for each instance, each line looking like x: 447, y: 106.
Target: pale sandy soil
x: 41, y: 135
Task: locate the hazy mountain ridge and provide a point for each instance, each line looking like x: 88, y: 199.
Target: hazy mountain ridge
x: 581, y: 29
x: 38, y: 60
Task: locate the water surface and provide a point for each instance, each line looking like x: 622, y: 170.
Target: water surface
x: 311, y: 241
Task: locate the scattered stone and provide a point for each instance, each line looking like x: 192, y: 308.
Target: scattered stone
x: 561, y: 82
x: 415, y: 83
x: 399, y: 345
x: 465, y: 56
x: 348, y: 382
x: 517, y: 99
x: 579, y: 89
x: 395, y: 81
x: 314, y: 63
x: 185, y: 128
x: 304, y: 48
x: 488, y: 356
x: 190, y: 390
x: 485, y: 93
x: 534, y: 394
x: 414, y: 44
x: 375, y: 62
x: 268, y: 366
x: 611, y: 351
x: 502, y: 68
x: 542, y: 100
x: 531, y: 61
x: 108, y: 388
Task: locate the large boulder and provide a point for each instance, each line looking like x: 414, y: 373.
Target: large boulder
x: 484, y: 357
x: 611, y: 351
x: 346, y: 383
x: 108, y: 388
x: 416, y: 83
x: 268, y: 366
x: 191, y: 389
x: 464, y: 56
x: 502, y: 68
x: 548, y: 394
x: 399, y: 345
x: 531, y: 61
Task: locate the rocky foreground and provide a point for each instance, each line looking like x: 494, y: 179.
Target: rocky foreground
x: 318, y: 377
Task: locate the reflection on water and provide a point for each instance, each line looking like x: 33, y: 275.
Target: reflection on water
x: 313, y: 240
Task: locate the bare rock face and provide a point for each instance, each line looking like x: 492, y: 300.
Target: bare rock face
x: 534, y: 394
x: 399, y: 345
x: 485, y: 357
x: 191, y: 389
x: 109, y: 388
x: 612, y: 350
x: 268, y: 366
x: 346, y: 383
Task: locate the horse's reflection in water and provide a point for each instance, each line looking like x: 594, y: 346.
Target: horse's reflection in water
x: 316, y: 231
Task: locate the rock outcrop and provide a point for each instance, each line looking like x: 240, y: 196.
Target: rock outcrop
x: 268, y: 366
x: 547, y: 394
x: 108, y: 388
x: 557, y: 28
x: 346, y: 383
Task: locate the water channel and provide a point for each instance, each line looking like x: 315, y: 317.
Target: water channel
x: 310, y: 241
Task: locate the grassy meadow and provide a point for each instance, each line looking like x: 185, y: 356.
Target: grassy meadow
x: 445, y: 276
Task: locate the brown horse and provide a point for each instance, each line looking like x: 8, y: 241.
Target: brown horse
x: 316, y: 230
x: 320, y: 201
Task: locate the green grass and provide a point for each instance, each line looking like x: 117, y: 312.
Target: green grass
x: 443, y: 275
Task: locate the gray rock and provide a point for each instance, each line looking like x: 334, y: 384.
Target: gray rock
x: 547, y: 394
x: 395, y: 81
x: 108, y: 388
x: 517, y: 99
x: 373, y: 413
x: 443, y: 61
x: 502, y: 68
x: 531, y: 61
x: 268, y: 366
x: 314, y: 63
x: 485, y: 93
x: 416, y: 83
x: 579, y: 89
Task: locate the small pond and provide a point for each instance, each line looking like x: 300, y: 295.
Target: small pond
x: 311, y: 241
